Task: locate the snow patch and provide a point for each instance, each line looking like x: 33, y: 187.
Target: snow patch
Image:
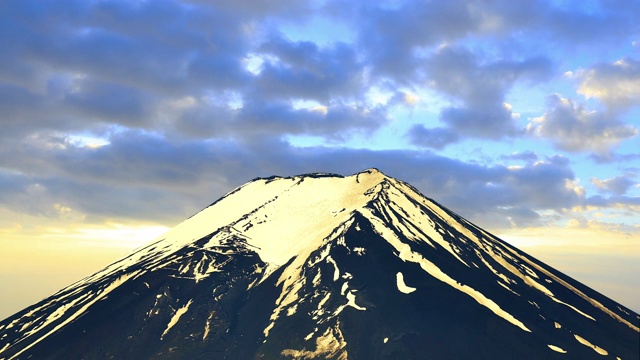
x: 506, y: 287
x: 336, y: 271
x: 344, y: 288
x: 324, y: 300
x: 176, y: 317
x: 402, y: 287
x: 267, y: 329
x: 330, y: 345
x: 595, y: 348
x: 310, y: 335
x: 573, y: 308
x: 292, y: 310
x: 351, y: 301
x: 557, y: 349
x: 496, y: 272
x: 207, y: 327
x: 316, y: 279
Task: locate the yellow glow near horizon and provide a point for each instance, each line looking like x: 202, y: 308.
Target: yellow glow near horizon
x: 607, y: 261
x: 114, y: 235
x: 39, y: 260
x: 583, y: 240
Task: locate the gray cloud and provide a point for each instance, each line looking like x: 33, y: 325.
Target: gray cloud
x: 480, y: 90
x: 108, y: 102
x: 615, y: 157
x: 614, y: 201
x: 271, y: 118
x: 617, y: 185
x: 304, y: 70
x: 11, y: 184
x: 434, y: 138
x: 148, y: 44
x: 571, y: 127
x: 391, y: 33
x: 617, y: 84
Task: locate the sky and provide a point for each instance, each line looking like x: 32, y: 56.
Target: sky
x: 120, y: 119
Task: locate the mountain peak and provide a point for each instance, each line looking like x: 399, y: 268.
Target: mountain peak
x: 371, y: 171
x: 324, y: 266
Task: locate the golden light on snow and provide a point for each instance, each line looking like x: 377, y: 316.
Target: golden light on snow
x: 557, y: 349
x: 402, y: 286
x: 595, y: 348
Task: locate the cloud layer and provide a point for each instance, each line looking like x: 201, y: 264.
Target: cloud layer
x: 149, y: 110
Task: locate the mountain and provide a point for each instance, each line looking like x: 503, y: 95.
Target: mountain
x: 322, y: 266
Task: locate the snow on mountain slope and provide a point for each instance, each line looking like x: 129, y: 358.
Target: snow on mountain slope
x: 298, y: 266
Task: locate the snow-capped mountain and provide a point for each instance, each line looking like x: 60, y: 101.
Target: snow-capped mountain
x: 327, y: 267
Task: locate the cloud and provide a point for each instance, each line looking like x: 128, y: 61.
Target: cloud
x: 107, y: 102
x: 617, y: 185
x: 258, y: 118
x: 395, y: 35
x: 21, y: 108
x: 434, y: 138
x: 617, y: 84
x: 160, y: 45
x: 304, y: 70
x: 615, y: 157
x: 490, y: 122
x: 616, y: 202
x: 257, y: 8
x: 571, y: 127
x: 461, y: 73
x: 11, y: 184
x: 479, y: 89
x: 389, y: 35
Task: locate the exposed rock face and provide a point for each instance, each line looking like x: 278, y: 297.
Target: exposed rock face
x: 327, y: 267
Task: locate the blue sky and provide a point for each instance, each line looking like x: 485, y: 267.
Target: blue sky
x: 119, y: 119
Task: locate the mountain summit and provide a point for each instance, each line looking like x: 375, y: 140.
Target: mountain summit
x: 328, y: 267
